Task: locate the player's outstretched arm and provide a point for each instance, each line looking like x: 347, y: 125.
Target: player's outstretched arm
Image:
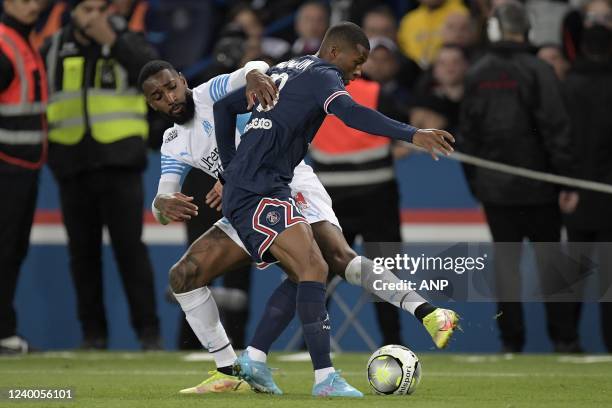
x: 225, y: 111
x: 370, y: 121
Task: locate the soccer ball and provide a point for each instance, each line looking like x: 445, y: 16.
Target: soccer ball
x: 394, y: 369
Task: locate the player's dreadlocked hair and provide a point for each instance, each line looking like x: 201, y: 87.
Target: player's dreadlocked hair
x: 151, y: 68
x: 348, y: 33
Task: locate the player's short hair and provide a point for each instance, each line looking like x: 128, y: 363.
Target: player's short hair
x: 151, y: 68
x: 347, y: 32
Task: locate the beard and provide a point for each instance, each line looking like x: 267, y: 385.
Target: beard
x: 186, y: 115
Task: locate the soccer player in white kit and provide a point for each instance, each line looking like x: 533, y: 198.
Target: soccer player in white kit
x: 191, y: 143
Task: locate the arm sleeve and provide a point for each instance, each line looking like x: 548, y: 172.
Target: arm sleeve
x: 334, y: 99
x: 169, y: 182
x: 221, y: 85
x: 225, y: 112
x: 368, y: 120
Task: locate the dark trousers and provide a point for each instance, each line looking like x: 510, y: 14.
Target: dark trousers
x: 602, y: 244
x: 111, y: 198
x: 373, y: 213
x: 16, y: 215
x: 538, y: 223
x: 198, y: 184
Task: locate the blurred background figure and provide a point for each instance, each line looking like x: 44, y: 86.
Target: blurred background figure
x: 97, y: 155
x: 586, y: 13
x: 588, y: 94
x: 460, y: 29
x: 420, y: 31
x: 53, y: 16
x: 134, y: 12
x: 23, y: 97
x: 311, y: 23
x: 507, y: 116
x: 553, y: 55
x: 249, y: 21
x: 440, y: 91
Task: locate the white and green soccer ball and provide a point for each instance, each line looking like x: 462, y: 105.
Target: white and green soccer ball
x: 394, y: 369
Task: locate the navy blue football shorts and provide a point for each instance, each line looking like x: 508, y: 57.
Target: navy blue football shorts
x: 259, y: 220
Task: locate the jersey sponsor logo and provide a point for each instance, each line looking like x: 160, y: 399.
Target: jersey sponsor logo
x: 273, y: 217
x: 211, y: 162
x: 172, y: 134
x: 258, y: 123
x: 207, y: 127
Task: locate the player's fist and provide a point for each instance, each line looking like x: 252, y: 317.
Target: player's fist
x: 175, y: 206
x: 434, y: 139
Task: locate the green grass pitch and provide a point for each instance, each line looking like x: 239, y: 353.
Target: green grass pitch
x: 151, y: 380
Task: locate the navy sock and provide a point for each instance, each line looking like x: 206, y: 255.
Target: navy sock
x: 315, y: 322
x: 279, y: 311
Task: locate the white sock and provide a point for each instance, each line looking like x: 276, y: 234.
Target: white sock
x: 322, y: 373
x: 256, y: 354
x: 360, y: 272
x: 203, y: 316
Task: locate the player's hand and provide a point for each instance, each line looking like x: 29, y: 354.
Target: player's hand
x: 434, y: 139
x: 568, y: 201
x: 261, y: 88
x: 214, y: 196
x: 176, y: 206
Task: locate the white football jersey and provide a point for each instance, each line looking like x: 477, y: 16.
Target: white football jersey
x: 193, y: 144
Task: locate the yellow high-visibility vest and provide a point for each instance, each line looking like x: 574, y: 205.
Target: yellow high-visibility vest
x: 113, y: 114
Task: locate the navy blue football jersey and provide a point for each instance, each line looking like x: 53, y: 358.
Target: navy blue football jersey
x: 276, y: 140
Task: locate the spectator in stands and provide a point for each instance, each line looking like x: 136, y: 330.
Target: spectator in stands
x: 97, y: 154
x: 380, y: 22
x: 311, y: 23
x: 440, y: 91
x: 592, y: 12
x: 248, y: 20
x: 460, y: 29
x: 588, y: 95
x: 23, y: 98
x: 134, y: 12
x: 513, y: 113
x: 553, y: 55
x: 420, y: 32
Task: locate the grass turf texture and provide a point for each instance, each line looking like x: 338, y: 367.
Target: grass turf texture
x: 449, y: 380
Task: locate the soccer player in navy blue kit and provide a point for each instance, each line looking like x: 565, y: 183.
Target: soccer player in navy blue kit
x: 256, y: 195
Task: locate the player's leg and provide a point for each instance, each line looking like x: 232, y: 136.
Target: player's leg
x: 359, y: 271
x: 208, y: 257
x: 298, y: 252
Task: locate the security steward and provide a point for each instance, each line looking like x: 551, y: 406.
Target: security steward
x: 23, y: 95
x: 97, y: 135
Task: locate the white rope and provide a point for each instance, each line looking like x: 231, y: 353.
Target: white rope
x: 523, y: 172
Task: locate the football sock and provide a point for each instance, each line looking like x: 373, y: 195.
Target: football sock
x: 203, y: 316
x: 256, y: 355
x: 277, y: 315
x: 360, y: 272
x: 321, y: 375
x: 315, y: 322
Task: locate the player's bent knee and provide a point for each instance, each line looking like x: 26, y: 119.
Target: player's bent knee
x: 184, y: 276
x: 340, y: 258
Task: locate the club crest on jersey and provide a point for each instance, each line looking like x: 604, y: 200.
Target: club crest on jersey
x: 207, y: 127
x: 273, y: 217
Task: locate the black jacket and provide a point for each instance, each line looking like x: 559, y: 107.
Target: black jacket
x: 513, y: 113
x: 131, y: 51
x: 588, y: 94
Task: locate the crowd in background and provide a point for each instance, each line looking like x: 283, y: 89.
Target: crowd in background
x: 431, y: 60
